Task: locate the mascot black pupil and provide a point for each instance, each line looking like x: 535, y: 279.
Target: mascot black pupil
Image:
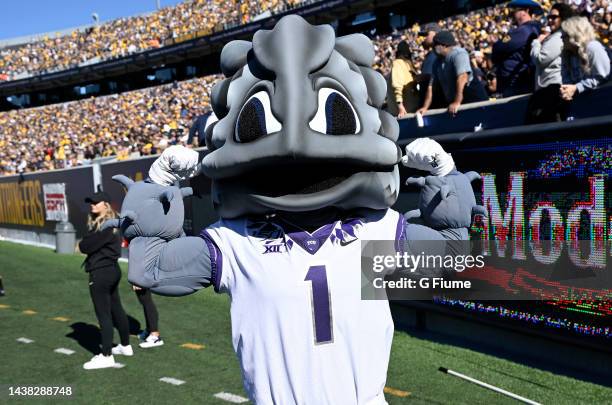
x: 252, y: 121
x: 339, y: 116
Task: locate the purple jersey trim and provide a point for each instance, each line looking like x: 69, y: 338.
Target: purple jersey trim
x: 310, y: 242
x: 216, y: 259
x: 400, y: 233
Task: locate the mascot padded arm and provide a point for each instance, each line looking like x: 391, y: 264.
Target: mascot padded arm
x: 446, y: 200
x: 161, y: 257
x: 178, y: 267
x: 446, y: 203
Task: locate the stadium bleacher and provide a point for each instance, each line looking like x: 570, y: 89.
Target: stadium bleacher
x: 76, y: 132
x: 131, y: 35
x: 477, y: 30
x: 70, y: 134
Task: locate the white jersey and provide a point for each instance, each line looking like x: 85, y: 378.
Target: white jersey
x: 299, y: 327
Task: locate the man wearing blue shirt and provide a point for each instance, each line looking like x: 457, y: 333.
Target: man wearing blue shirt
x: 515, y: 71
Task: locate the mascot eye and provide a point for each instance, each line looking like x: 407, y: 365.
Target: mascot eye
x: 255, y: 119
x: 335, y: 114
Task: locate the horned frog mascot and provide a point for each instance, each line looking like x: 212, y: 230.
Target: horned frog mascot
x: 304, y: 164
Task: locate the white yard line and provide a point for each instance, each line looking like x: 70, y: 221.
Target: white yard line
x: 24, y: 340
x: 63, y: 350
x: 173, y: 381
x: 226, y: 396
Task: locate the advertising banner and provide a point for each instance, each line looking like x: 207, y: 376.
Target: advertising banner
x: 56, y: 205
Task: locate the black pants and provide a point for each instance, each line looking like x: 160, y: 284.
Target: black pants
x: 103, y: 287
x: 546, y: 105
x: 150, y: 311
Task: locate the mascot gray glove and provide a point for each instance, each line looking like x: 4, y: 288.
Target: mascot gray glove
x: 175, y: 163
x: 427, y: 154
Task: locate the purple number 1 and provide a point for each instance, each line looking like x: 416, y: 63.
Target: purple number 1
x: 321, y: 305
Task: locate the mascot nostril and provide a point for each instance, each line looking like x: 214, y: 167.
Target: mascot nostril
x: 303, y: 163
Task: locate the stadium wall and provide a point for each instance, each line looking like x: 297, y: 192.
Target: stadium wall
x: 23, y: 215
x: 502, y: 114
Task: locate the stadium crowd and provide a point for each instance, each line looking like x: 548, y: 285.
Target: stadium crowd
x: 556, y: 51
x: 477, y: 31
x: 125, y: 36
x: 145, y: 121
x: 136, y: 123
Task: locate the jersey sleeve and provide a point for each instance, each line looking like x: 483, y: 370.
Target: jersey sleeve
x: 221, y: 271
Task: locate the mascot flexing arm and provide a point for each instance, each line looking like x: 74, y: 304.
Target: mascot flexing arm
x: 303, y: 163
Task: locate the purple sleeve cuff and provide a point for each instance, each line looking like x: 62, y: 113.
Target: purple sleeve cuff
x: 400, y: 233
x: 216, y: 260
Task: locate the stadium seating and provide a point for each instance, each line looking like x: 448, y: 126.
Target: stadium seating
x: 139, y: 122
x: 130, y: 35
x: 477, y: 30
x: 145, y: 121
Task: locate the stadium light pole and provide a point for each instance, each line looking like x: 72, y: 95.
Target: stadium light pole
x: 157, y: 4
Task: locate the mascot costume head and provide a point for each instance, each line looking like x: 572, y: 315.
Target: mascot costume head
x: 301, y: 128
x: 300, y: 124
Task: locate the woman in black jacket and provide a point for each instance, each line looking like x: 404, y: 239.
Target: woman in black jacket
x: 103, y: 249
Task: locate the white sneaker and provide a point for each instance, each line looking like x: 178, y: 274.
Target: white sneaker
x: 123, y: 350
x: 152, y: 341
x: 100, y: 361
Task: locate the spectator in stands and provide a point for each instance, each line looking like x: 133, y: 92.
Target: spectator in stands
x: 197, y: 131
x: 586, y: 64
x: 452, y: 71
x: 478, y: 65
x: 428, y: 32
x: 491, y: 78
x: 511, y: 57
x: 546, y: 104
x: 403, y: 81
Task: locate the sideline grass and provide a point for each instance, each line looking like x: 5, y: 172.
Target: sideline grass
x: 55, y: 286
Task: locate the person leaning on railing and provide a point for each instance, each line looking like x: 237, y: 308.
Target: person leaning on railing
x: 586, y: 64
x: 452, y: 71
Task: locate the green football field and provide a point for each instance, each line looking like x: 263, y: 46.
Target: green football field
x: 48, y: 302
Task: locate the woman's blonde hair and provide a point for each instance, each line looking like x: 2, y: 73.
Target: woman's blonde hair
x: 94, y: 222
x: 578, y: 32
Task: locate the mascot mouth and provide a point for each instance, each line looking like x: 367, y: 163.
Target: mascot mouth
x: 300, y: 179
